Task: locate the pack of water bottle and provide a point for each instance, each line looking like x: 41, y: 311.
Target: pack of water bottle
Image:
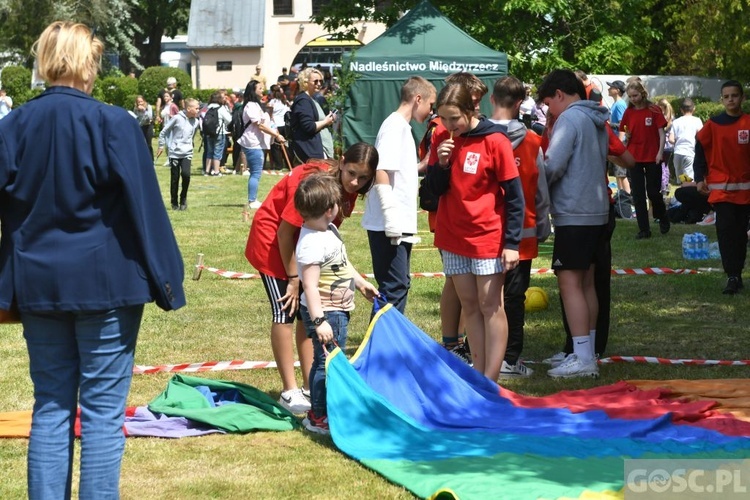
x: 695, y: 246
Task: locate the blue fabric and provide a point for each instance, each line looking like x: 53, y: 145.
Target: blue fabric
x: 84, y: 226
x: 215, y: 146
x: 91, y: 353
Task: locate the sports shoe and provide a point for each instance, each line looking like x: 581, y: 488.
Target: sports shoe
x: 294, y: 401
x: 246, y: 172
x: 708, y: 220
x: 734, y: 285
x: 462, y: 353
x: 555, y: 359
x: 306, y: 393
x: 573, y: 366
x: 515, y: 371
x: 254, y: 205
x: 318, y: 425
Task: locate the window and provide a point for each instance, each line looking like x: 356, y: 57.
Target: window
x: 282, y: 7
x: 223, y: 65
x: 316, y: 6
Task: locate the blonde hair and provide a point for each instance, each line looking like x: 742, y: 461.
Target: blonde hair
x: 666, y: 109
x: 304, y: 76
x: 68, y: 50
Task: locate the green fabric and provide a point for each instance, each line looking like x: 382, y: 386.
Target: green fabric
x: 261, y: 413
x: 422, y: 43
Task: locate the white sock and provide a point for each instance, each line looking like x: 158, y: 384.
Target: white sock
x: 582, y: 347
x: 592, y: 338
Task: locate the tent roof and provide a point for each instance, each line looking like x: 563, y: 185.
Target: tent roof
x: 426, y: 43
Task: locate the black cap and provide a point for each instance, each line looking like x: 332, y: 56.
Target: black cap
x: 618, y: 84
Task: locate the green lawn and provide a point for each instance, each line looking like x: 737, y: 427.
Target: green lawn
x: 675, y: 316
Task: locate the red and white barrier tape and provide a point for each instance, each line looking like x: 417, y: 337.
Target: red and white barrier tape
x: 646, y: 271
x: 665, y: 361
x: 208, y: 366
x: 217, y: 366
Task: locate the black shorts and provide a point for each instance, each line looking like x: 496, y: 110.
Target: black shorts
x: 275, y: 289
x: 576, y: 247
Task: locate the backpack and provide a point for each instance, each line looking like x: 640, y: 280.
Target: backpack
x: 237, y: 127
x: 211, y: 122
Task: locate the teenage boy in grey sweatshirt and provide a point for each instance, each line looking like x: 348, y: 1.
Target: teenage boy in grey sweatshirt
x: 575, y: 167
x: 179, y: 133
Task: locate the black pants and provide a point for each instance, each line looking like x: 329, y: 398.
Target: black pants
x: 602, y: 284
x: 227, y: 144
x: 645, y: 180
x: 514, y: 296
x: 180, y: 167
x: 148, y: 134
x: 731, y: 231
x: 694, y: 204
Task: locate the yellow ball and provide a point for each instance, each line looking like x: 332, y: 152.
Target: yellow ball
x: 536, y: 299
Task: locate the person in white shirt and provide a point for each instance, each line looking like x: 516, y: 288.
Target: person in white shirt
x: 6, y: 104
x: 390, y: 216
x: 682, y: 136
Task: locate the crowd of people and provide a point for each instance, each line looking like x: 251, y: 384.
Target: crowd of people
x: 495, y: 185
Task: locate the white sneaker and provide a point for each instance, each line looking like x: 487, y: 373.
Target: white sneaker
x: 246, y: 172
x: 306, y: 393
x: 515, y: 371
x: 708, y: 220
x: 254, y: 205
x: 573, y: 366
x: 555, y: 359
x: 294, y: 401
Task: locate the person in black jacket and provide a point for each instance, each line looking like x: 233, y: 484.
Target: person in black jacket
x: 310, y: 125
x: 85, y: 243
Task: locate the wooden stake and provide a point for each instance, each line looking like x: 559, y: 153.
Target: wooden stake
x: 198, y: 267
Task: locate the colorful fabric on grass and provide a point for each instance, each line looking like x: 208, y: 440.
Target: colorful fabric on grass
x: 417, y: 415
x: 189, y: 406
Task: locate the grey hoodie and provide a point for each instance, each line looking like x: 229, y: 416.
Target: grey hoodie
x: 516, y: 132
x: 178, y: 134
x: 576, y: 162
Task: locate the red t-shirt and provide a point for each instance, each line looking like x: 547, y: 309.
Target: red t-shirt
x: 262, y: 248
x: 642, y: 127
x: 470, y: 216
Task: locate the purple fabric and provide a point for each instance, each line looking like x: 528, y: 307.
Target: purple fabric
x: 145, y: 423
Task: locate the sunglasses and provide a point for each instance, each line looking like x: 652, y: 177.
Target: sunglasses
x: 318, y: 82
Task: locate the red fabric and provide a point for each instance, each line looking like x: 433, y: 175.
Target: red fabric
x: 262, y: 248
x: 525, y: 156
x: 727, y: 150
x: 470, y: 217
x: 642, y: 127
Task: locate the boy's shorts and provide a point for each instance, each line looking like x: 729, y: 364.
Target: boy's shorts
x: 215, y: 147
x: 454, y: 264
x: 576, y: 246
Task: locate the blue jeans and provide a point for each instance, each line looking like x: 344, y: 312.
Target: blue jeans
x: 390, y: 264
x: 214, y: 146
x: 254, y: 159
x: 77, y: 358
x: 339, y: 321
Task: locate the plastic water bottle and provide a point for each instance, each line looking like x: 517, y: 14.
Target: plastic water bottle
x: 703, y: 246
x: 686, y: 246
x: 713, y: 250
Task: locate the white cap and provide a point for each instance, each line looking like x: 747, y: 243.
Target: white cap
x: 171, y: 80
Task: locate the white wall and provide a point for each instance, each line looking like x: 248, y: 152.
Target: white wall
x: 681, y: 86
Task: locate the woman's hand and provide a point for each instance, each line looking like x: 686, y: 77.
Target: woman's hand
x: 280, y: 139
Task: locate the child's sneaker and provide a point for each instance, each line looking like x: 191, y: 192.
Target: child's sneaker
x: 555, y: 360
x: 573, y: 366
x: 294, y: 401
x: 318, y: 425
x: 461, y: 352
x: 515, y: 371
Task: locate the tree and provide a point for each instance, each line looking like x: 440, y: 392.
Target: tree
x: 537, y: 35
x: 711, y: 39
x: 157, y: 18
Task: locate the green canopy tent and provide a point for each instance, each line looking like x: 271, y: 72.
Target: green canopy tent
x: 423, y: 43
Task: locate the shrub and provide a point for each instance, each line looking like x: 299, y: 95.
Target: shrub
x: 117, y: 90
x: 154, y: 79
x: 17, y: 82
x: 203, y: 95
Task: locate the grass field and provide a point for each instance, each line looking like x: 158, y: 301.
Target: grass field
x: 673, y: 316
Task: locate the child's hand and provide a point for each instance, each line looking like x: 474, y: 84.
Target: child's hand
x: 369, y: 291
x: 325, y: 333
x: 509, y: 259
x: 444, y: 151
